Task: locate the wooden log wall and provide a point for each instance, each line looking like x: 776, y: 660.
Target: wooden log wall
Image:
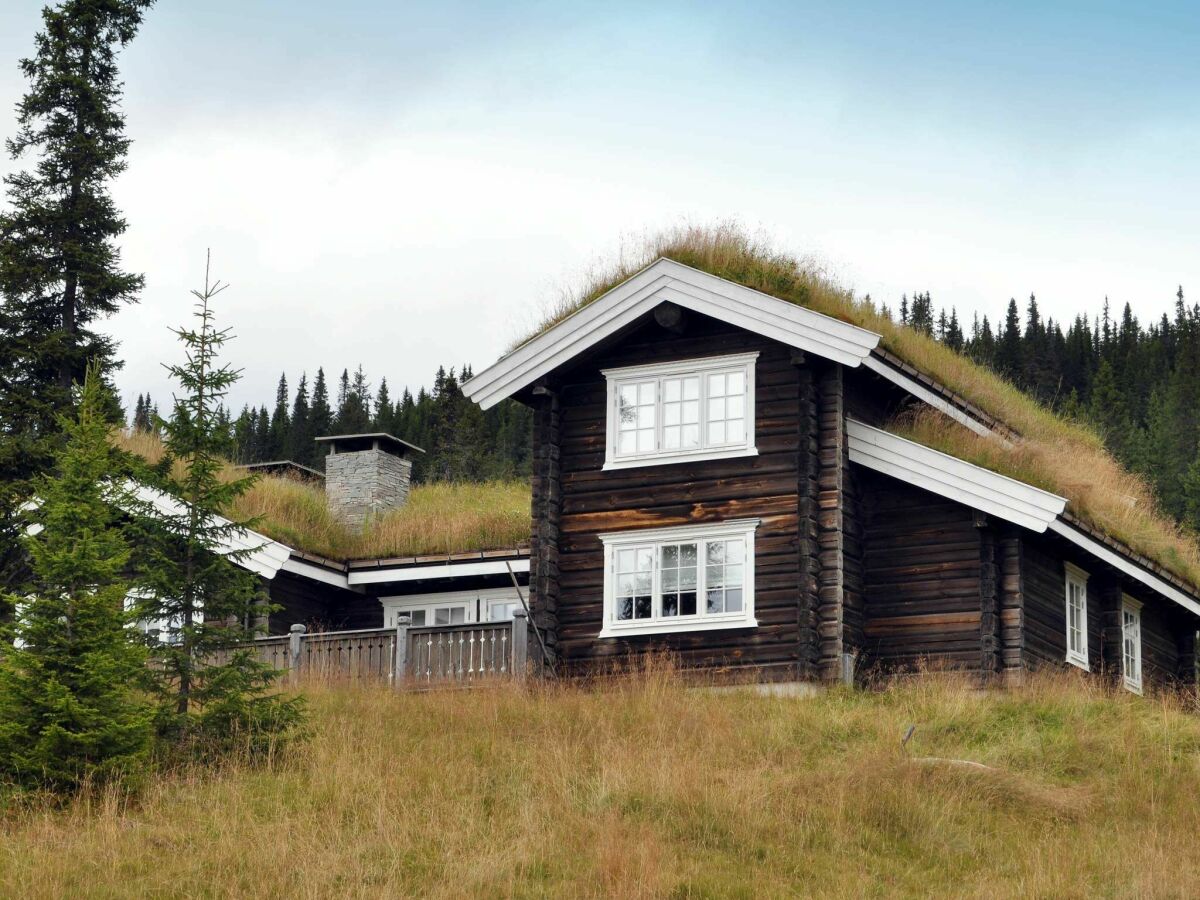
x: 923, y: 586
x: 544, y: 574
x: 318, y: 606
x: 1012, y: 604
x: 766, y: 486
x: 831, y: 505
x: 989, y: 598
x: 807, y: 641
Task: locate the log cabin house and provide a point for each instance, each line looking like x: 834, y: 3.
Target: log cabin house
x: 714, y: 474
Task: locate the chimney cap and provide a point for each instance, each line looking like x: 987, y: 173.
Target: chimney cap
x: 378, y: 440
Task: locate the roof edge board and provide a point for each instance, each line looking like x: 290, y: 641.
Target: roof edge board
x: 918, y: 390
x: 953, y: 478
x: 1122, y: 564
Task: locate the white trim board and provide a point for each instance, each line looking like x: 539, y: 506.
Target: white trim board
x: 953, y: 478
x: 438, y: 570
x: 315, y: 573
x: 666, y: 280
x: 918, y: 390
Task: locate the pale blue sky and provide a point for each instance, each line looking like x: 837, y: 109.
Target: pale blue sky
x: 405, y: 185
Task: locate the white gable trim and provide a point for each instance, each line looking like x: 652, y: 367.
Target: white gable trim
x: 1121, y: 564
x: 953, y: 478
x: 666, y: 280
x: 918, y: 390
x: 315, y: 573
x: 262, y: 556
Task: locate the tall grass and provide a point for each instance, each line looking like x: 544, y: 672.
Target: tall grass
x: 1062, y: 456
x: 640, y: 788
x: 438, y: 518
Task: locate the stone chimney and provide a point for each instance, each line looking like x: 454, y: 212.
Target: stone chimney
x: 366, y: 474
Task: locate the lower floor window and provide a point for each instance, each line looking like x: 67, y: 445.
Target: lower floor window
x: 679, y: 579
x: 1131, y: 644
x: 451, y: 607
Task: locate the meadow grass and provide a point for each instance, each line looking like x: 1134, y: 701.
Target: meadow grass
x: 1065, y: 457
x: 438, y: 518
x: 639, y: 787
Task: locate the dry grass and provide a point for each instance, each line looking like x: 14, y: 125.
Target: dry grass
x: 1064, y: 457
x: 643, y: 789
x: 438, y: 518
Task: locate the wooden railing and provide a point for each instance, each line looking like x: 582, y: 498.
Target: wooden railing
x: 403, y: 655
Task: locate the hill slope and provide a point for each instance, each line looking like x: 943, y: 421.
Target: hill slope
x: 644, y: 788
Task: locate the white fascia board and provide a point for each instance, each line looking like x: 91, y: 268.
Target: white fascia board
x: 918, y: 390
x: 953, y: 478
x: 438, y: 570
x: 1121, y: 564
x: 263, y: 556
x: 661, y: 281
x: 315, y: 573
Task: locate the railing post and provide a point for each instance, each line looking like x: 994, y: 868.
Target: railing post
x: 295, y: 633
x: 520, y: 643
x: 401, y: 660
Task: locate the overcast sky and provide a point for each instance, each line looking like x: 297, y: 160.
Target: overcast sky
x: 408, y: 185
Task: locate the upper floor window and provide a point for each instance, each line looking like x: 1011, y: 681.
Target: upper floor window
x: 679, y: 579
x: 687, y: 410
x: 1076, y: 596
x: 1131, y: 644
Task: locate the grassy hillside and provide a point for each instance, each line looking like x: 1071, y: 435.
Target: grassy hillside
x: 1062, y: 456
x: 642, y: 788
x: 438, y: 518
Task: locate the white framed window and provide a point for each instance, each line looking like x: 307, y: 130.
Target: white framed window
x: 1131, y: 643
x: 1076, y: 599
x: 690, y: 578
x: 688, y: 410
x: 451, y: 607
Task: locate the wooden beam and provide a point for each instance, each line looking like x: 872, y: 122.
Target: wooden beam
x: 833, y: 462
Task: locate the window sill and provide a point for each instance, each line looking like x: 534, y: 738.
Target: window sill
x: 667, y: 459
x: 619, y: 631
x: 1133, y: 687
x: 1079, y: 663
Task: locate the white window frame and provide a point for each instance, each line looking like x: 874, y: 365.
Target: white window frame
x: 1131, y: 663
x: 743, y: 363
x: 700, y: 621
x: 1077, y: 656
x: 478, y: 604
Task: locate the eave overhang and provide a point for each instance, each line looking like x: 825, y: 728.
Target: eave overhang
x: 669, y: 281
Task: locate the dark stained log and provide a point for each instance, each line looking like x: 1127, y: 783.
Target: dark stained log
x: 926, y: 597
x: 1012, y: 606
x: 808, y: 647
x: 1186, y: 642
x: 831, y: 503
x: 989, y: 600
x: 671, y: 317
x: 1104, y: 595
x: 546, y: 511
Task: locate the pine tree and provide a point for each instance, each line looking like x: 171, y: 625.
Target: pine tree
x: 207, y: 602
x: 70, y: 714
x: 384, y: 414
x: 354, y: 405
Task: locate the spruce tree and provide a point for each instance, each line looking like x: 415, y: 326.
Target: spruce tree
x: 207, y: 602
x: 70, y: 714
x: 322, y: 417
x: 59, y: 263
x: 300, y: 438
x: 1008, y: 347
x: 280, y: 423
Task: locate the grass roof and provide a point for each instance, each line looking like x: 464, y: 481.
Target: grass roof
x: 438, y: 518
x: 1062, y: 456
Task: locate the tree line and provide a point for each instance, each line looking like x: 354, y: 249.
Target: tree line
x: 1137, y: 384
x: 461, y: 441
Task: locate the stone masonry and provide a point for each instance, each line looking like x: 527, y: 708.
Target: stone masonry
x: 363, y: 483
